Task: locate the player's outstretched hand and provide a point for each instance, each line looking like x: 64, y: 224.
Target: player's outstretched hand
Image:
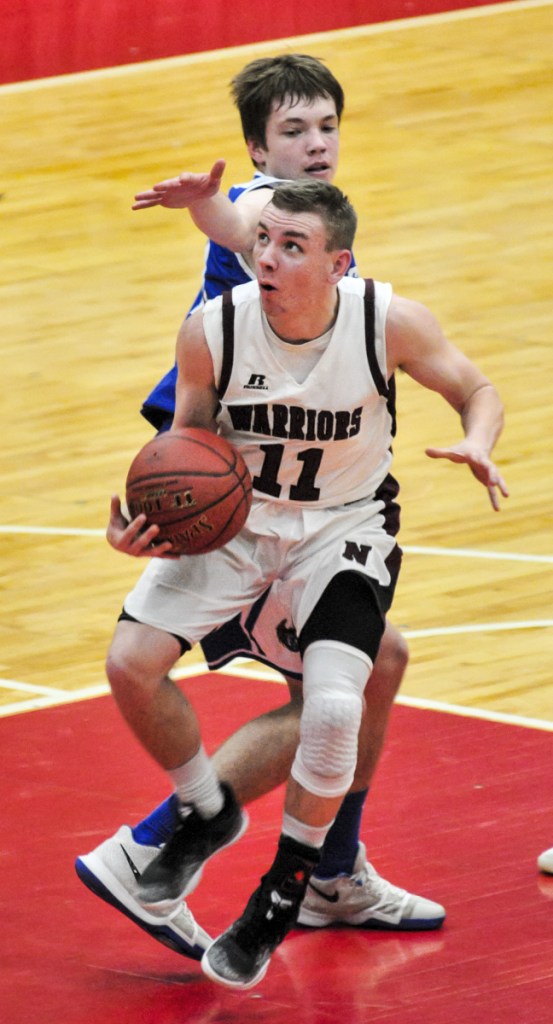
x: 131, y: 538
x: 480, y: 465
x: 178, y: 193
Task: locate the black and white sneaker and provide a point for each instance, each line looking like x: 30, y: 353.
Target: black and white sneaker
x: 177, y: 869
x: 239, y: 958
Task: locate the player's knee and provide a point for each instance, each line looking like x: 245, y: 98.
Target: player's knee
x: 133, y: 671
x: 393, y: 657
x: 333, y: 707
x: 327, y: 753
x: 121, y: 671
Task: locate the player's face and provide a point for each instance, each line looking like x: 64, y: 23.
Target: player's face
x: 294, y: 269
x: 302, y: 141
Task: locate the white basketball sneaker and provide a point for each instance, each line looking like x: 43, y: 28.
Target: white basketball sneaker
x: 545, y: 861
x: 365, y: 900
x: 113, y: 870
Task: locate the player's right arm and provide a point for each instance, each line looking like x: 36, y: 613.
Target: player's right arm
x: 232, y: 225
x: 196, y: 394
x: 196, y: 405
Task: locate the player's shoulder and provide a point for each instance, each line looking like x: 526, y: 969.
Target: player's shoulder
x: 355, y: 285
x: 258, y: 181
x: 241, y: 294
x: 245, y: 293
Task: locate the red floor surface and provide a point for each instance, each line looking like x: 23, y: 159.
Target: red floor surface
x: 459, y: 811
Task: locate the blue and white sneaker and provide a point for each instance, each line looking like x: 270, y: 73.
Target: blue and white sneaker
x: 113, y: 871
x: 365, y: 900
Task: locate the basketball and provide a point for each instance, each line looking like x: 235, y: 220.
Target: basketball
x: 194, y: 485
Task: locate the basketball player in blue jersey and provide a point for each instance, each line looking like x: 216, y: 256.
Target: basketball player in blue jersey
x: 290, y: 109
x: 322, y: 529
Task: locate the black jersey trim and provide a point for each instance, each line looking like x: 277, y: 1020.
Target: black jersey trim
x: 228, y: 343
x: 377, y: 375
x: 385, y: 388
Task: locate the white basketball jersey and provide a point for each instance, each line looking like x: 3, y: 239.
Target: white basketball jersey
x: 324, y: 441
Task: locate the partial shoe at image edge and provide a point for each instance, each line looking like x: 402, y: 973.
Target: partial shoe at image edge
x: 545, y: 861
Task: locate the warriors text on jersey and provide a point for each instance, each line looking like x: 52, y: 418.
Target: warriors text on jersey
x: 321, y: 435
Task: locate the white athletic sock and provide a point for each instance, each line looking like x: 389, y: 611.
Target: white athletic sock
x: 196, y: 783
x: 311, y: 835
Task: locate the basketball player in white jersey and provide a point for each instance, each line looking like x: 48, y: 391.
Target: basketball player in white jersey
x: 290, y: 108
x: 317, y: 440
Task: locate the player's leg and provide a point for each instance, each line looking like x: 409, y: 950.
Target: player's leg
x: 322, y: 773
x: 342, y: 842
x: 335, y: 672
x: 345, y: 887
x: 339, y: 643
x: 257, y: 758
x: 139, y: 660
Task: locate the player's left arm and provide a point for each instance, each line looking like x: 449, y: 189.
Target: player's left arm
x: 230, y: 224
x: 183, y: 191
x: 416, y: 343
x: 196, y: 394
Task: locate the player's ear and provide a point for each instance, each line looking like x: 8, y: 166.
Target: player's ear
x: 258, y: 154
x: 341, y: 262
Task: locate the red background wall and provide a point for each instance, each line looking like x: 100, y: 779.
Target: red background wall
x: 39, y: 38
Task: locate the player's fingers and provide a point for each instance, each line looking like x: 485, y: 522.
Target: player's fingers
x: 137, y: 534
x: 444, y: 453
x: 145, y: 204
x: 218, y: 170
x: 148, y: 193
x: 503, y: 487
x: 493, y: 498
x: 162, y: 186
x: 115, y: 505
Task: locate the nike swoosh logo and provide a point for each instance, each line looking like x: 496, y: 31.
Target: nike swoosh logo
x: 131, y: 864
x: 333, y: 898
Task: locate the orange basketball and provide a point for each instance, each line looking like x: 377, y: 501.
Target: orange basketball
x: 194, y: 485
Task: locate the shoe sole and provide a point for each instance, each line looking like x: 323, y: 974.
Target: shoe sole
x: 310, y: 919
x: 238, y: 986
x: 89, y: 869
x: 167, y: 905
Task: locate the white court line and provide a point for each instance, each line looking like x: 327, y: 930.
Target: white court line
x: 240, y: 669
x: 507, y: 556
x: 13, y: 684
x: 251, y: 49
x: 52, y: 531
x: 410, y: 549
x: 483, y: 627
x: 466, y: 712
x: 44, y: 702
x: 246, y: 669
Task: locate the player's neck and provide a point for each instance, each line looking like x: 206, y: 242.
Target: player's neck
x: 297, y: 329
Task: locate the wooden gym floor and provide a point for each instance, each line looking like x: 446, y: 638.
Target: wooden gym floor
x: 445, y: 148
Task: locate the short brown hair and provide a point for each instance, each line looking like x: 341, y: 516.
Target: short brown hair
x: 324, y: 199
x: 270, y: 80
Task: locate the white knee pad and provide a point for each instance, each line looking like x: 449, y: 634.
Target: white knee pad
x: 334, y: 678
